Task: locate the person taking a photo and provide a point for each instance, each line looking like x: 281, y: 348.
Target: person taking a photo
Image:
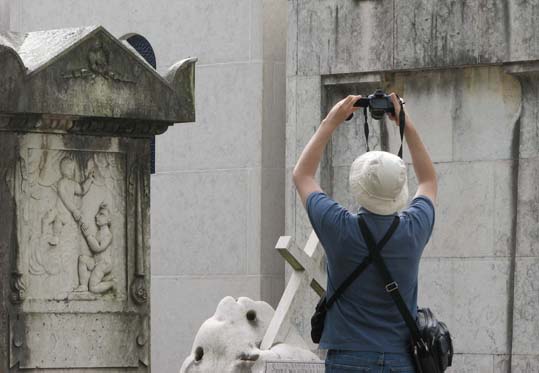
x: 363, y: 328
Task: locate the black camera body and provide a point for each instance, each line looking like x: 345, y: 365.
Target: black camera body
x: 378, y: 103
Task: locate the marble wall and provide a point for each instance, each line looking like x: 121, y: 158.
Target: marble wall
x: 475, y: 107
x: 218, y: 193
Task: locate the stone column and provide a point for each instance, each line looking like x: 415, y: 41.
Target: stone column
x: 76, y: 110
x: 525, y: 292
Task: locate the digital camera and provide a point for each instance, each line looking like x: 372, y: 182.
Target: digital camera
x: 378, y: 103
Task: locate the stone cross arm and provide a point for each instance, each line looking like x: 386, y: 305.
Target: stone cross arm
x: 308, y: 259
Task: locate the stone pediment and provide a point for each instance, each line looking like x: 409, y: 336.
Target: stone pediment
x: 88, y: 73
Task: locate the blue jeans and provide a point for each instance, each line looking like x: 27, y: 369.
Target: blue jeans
x: 343, y: 361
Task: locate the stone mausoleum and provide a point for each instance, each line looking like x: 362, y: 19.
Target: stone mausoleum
x: 77, y: 109
x: 268, y: 72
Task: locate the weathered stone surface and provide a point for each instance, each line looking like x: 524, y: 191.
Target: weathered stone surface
x: 475, y: 210
x: 91, y: 62
x: 292, y: 40
x: 273, y: 202
x: 294, y: 367
x: 502, y: 364
x: 527, y: 230
x: 74, y: 178
x: 529, y: 132
x: 464, y: 298
x: 80, y: 341
x: 524, y: 364
x: 472, y: 363
x: 338, y: 36
x: 524, y: 40
x: 526, y: 308
x: 80, y: 260
x: 308, y: 113
x: 431, y: 34
x: 445, y: 107
x: 273, y: 115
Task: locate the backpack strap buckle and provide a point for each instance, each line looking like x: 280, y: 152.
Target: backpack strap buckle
x: 392, y: 286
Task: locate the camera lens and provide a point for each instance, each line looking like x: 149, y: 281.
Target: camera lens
x: 377, y: 114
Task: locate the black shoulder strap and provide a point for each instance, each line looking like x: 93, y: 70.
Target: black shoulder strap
x: 390, y: 286
x: 364, y: 264
x: 402, y: 124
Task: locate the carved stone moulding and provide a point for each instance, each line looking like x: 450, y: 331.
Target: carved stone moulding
x: 88, y: 73
x: 85, y: 126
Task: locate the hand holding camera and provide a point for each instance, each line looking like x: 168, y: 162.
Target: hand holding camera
x: 380, y: 103
x: 396, y: 100
x: 342, y: 110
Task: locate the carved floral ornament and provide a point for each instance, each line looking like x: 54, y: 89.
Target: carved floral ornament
x: 98, y: 60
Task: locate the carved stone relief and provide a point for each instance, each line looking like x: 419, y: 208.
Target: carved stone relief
x: 75, y: 217
x: 99, y: 65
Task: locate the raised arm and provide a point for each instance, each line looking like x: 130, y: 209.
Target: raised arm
x: 85, y: 187
x: 423, y: 167
x: 309, y: 160
x: 95, y: 245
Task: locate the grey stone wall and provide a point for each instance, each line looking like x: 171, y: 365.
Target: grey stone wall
x: 4, y: 15
x: 217, y: 197
x: 468, y: 73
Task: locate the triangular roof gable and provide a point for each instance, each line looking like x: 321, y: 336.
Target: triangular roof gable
x: 64, y: 68
x: 37, y: 52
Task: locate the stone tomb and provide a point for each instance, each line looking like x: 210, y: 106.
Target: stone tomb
x: 77, y: 107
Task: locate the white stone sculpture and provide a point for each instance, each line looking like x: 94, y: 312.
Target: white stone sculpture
x: 230, y: 340
x: 308, y: 274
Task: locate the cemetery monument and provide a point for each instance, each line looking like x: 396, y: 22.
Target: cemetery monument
x: 77, y: 108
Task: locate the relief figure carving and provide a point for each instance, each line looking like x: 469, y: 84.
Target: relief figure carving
x: 45, y: 259
x: 75, y: 232
x: 95, y: 272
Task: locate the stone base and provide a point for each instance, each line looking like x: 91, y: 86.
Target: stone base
x: 295, y: 367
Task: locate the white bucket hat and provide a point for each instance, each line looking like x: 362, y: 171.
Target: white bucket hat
x: 379, y: 183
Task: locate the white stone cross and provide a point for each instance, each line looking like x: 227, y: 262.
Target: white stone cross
x: 309, y: 272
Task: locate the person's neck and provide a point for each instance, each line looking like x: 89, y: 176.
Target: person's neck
x: 363, y: 210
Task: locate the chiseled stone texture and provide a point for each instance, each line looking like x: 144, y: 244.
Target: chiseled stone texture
x: 526, y: 312
x: 479, y: 363
x: 456, y: 110
x: 472, y: 363
x: 450, y: 287
x: 525, y: 364
x: 340, y: 36
x: 294, y: 367
x: 528, y: 208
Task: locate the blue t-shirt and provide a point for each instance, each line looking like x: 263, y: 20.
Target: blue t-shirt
x: 365, y: 317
